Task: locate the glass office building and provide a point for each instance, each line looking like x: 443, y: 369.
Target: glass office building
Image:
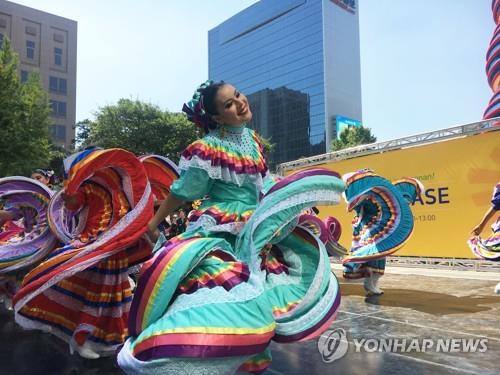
x: 298, y: 63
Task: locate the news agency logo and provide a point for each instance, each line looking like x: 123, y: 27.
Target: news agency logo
x: 333, y: 345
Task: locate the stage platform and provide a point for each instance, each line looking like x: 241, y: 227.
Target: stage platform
x: 418, y: 304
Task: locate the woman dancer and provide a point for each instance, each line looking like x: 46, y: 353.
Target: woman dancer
x: 383, y: 223
x: 25, y: 236
x: 489, y: 248
x: 212, y: 298
x: 81, y: 293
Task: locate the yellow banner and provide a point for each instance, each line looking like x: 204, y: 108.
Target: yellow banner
x: 458, y: 175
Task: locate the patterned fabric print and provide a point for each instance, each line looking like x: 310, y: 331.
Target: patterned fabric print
x: 383, y: 220
x: 241, y: 154
x: 82, y: 294
x: 376, y: 218
x: 278, y: 311
x: 217, y: 269
x: 161, y: 173
x: 84, y: 299
x: 100, y: 203
x: 273, y: 260
x: 220, y: 215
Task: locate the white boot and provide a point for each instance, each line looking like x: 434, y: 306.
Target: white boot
x: 375, y: 278
x: 132, y: 284
x: 367, y: 284
x: 84, y: 350
x: 370, y: 284
x: 8, y: 303
x: 497, y: 289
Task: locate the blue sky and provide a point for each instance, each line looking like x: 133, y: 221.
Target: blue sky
x: 422, y: 62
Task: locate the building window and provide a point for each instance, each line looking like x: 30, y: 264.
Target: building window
x: 58, y: 85
x: 58, y: 56
x: 30, y: 30
x: 24, y: 75
x: 58, y: 132
x: 59, y: 38
x: 1, y: 40
x: 58, y: 108
x: 30, y: 49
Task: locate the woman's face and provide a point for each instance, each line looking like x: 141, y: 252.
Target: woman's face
x: 40, y: 177
x: 232, y: 107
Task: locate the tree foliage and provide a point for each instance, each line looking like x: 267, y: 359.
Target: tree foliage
x: 24, y: 119
x: 268, y: 145
x: 139, y: 127
x: 353, y: 136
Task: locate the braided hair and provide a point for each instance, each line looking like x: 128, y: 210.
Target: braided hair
x: 201, y: 108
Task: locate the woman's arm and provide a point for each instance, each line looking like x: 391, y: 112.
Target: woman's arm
x: 5, y: 215
x: 169, y: 205
x: 487, y: 217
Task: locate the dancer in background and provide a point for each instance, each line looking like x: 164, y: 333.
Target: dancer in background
x: 81, y: 293
x: 489, y: 248
x: 382, y: 225
x: 25, y: 236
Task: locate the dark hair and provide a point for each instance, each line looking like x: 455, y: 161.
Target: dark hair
x: 48, y: 174
x: 202, y: 106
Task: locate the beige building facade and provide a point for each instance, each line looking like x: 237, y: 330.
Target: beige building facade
x: 46, y: 44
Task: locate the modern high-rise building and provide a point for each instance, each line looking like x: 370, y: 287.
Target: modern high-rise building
x: 46, y: 44
x: 298, y: 62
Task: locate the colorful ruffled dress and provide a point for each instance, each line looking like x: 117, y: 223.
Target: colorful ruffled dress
x: 27, y: 240
x: 81, y: 293
x: 383, y: 221
x: 489, y: 248
x: 243, y: 274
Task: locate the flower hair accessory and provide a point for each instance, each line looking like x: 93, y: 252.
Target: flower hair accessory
x: 195, y: 110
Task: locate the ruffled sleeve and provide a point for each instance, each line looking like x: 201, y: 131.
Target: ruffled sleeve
x: 495, y: 199
x: 193, y: 183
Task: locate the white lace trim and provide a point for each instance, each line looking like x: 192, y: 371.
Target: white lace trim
x: 208, y: 223
x: 249, y: 290
x: 102, y: 350
x: 221, y: 173
x: 314, y: 315
x: 178, y: 365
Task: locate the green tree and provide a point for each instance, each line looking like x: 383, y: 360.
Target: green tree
x: 353, y: 136
x: 139, y: 127
x: 24, y: 119
x: 82, y: 133
x: 57, y: 154
x: 268, y: 145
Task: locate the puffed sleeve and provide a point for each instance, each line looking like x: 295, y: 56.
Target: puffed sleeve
x: 495, y: 199
x: 193, y: 183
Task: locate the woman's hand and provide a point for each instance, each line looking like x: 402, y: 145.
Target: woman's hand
x: 153, y: 233
x: 477, y: 230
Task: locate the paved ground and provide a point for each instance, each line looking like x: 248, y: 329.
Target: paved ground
x: 428, y: 305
